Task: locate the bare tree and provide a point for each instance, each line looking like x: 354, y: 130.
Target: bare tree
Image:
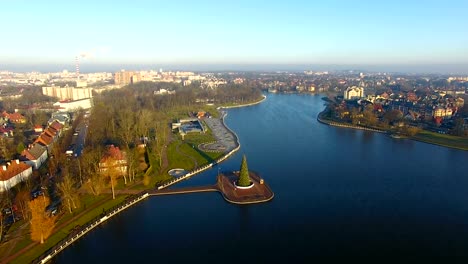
x: 68, y: 191
x: 22, y: 198
x: 90, y: 169
x: 126, y: 121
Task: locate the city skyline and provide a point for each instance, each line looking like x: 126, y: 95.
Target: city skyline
x: 424, y: 36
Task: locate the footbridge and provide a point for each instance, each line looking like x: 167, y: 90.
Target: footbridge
x: 184, y: 190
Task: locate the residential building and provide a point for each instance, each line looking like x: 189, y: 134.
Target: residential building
x: 35, y: 155
x: 163, y: 92
x: 459, y: 102
x: 442, y: 112
x: 71, y: 106
x: 13, y: 173
x: 126, y: 77
x: 68, y: 93
x: 16, y: 118
x: 114, y: 160
x: 352, y: 93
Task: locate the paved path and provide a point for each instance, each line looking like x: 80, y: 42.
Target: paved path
x: 197, y: 189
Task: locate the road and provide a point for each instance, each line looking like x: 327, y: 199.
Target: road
x: 79, y: 140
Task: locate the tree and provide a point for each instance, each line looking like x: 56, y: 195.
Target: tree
x: 244, y: 178
x: 5, y: 152
x: 20, y: 147
x: 22, y: 199
x: 112, y: 171
x: 126, y: 121
x: 90, y: 169
x: 42, y: 224
x: 132, y: 163
x: 369, y: 116
x: 159, y: 145
x: 459, y: 128
x: 355, y: 116
x: 393, y: 115
x: 69, y: 194
x: 3, y: 204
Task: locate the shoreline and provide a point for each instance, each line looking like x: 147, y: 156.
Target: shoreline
x: 222, y: 158
x: 337, y: 124
x: 61, y: 245
x: 243, y: 105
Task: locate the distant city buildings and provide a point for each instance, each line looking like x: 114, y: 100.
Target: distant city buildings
x: 126, y: 77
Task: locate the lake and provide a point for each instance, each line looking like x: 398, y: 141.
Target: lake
x: 339, y: 194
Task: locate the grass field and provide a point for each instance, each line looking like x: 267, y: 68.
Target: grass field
x: 443, y: 140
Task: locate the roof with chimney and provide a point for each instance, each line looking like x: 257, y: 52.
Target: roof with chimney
x: 34, y: 152
x: 12, y: 169
x: 14, y: 117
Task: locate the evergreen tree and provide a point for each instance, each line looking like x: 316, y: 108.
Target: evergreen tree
x: 244, y: 179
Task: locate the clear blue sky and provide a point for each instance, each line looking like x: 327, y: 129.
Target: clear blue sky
x: 235, y: 32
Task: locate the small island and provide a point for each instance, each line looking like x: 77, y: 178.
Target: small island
x: 238, y: 187
x: 244, y: 186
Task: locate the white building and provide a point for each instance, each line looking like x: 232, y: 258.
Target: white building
x: 443, y: 112
x: 35, y: 155
x: 163, y: 92
x: 13, y: 173
x: 71, y: 106
x: 68, y: 93
x: 353, y: 93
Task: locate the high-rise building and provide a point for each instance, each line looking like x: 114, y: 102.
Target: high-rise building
x: 126, y: 77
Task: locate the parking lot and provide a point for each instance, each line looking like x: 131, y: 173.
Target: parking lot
x: 225, y: 140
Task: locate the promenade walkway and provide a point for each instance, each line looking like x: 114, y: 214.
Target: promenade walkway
x: 207, y: 188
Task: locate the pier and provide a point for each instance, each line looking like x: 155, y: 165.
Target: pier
x: 259, y: 193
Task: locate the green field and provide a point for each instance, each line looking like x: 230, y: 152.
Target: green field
x: 443, y: 140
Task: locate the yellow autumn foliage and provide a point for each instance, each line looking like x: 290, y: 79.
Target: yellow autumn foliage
x: 42, y: 224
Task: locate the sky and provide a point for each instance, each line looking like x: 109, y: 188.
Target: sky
x: 237, y: 32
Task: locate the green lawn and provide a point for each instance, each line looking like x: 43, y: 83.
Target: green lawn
x: 176, y: 160
x: 61, y: 234
x: 443, y: 140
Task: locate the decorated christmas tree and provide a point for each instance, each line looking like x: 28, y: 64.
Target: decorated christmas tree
x: 244, y: 179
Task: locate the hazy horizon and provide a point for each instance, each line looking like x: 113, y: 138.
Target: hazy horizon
x: 93, y: 67
x: 206, y: 32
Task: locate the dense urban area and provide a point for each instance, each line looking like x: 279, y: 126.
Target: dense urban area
x: 73, y: 144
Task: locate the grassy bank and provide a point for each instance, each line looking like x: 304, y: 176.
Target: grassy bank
x: 442, y: 140
x: 39, y: 249
x: 423, y: 136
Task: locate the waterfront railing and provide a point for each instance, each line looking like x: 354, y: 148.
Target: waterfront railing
x: 76, y: 234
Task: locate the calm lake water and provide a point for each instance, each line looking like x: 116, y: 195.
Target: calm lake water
x: 339, y: 193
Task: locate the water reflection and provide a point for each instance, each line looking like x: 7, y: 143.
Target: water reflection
x: 338, y: 192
